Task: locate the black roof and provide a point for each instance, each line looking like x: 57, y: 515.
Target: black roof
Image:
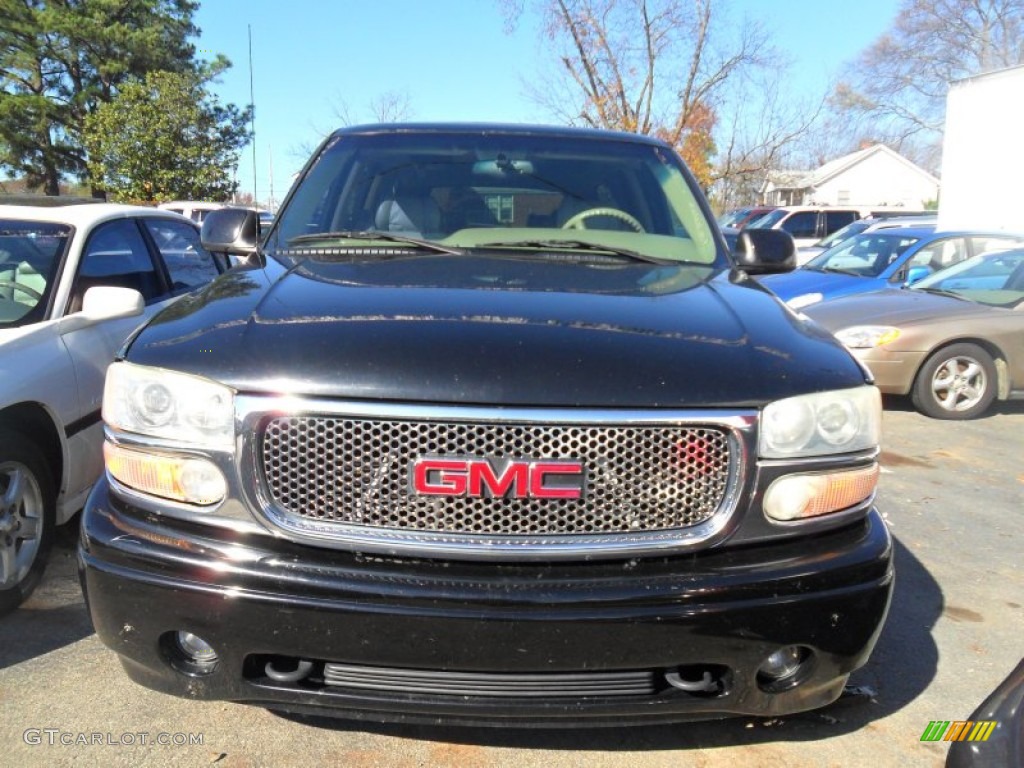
x: 492, y: 129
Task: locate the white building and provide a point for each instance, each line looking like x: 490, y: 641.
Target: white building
x: 982, y: 159
x: 874, y: 177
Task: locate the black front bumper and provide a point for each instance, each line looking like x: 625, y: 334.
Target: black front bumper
x: 259, y: 600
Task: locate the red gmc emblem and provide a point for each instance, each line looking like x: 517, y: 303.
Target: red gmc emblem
x: 514, y: 478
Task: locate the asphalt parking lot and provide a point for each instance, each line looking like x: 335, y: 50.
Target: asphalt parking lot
x: 953, y: 494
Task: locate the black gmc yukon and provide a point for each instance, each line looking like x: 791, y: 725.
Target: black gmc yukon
x: 491, y: 430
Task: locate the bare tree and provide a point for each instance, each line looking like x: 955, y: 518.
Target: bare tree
x: 660, y: 67
x: 896, y: 90
x: 387, y: 107
x: 764, y: 127
x: 391, y: 107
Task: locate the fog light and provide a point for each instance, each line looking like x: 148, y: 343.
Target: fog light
x: 785, y: 668
x: 195, y: 648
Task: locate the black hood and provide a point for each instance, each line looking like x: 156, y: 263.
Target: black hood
x: 500, y: 331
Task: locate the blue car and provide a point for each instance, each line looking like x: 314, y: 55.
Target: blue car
x: 874, y: 260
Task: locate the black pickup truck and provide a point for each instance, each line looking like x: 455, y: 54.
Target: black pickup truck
x: 491, y: 429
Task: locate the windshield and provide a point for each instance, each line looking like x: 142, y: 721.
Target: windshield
x: 851, y: 229
x: 30, y: 254
x: 766, y: 221
x: 733, y: 218
x: 864, y: 255
x: 489, y: 191
x: 992, y: 278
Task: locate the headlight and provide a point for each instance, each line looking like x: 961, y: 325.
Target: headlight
x: 822, y: 423
x: 867, y: 336
x: 177, y: 406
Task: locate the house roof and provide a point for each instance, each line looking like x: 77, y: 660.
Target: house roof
x: 789, y: 179
x: 834, y: 167
x: 815, y: 178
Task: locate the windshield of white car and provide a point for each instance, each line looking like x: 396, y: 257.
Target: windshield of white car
x: 465, y: 190
x: 30, y: 256
x: 865, y: 255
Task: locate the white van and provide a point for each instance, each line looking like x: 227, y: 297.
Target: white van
x: 807, y: 224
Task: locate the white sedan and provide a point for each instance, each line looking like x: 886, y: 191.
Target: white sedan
x: 75, y: 280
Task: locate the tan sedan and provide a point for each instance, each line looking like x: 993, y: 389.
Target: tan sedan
x: 954, y: 342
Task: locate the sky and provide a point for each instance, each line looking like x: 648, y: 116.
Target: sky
x: 452, y: 59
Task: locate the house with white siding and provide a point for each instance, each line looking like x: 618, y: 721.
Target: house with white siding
x: 873, y: 177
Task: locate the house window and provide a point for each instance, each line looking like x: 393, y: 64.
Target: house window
x: 502, y: 207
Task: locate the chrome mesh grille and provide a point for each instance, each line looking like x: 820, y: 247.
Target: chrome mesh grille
x: 355, y: 470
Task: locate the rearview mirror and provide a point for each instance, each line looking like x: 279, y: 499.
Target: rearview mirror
x: 764, y: 251
x: 232, y: 231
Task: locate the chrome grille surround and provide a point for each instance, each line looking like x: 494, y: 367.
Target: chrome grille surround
x: 290, y: 449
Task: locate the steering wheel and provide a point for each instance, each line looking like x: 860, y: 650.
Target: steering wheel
x: 23, y: 288
x: 576, y: 222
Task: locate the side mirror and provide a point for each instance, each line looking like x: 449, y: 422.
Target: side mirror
x: 232, y: 231
x: 764, y: 251
x: 104, y: 302
x: 917, y: 272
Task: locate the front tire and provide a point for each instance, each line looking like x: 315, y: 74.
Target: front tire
x: 27, y: 518
x: 956, y: 382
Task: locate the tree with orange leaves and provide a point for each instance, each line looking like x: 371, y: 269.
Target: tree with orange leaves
x: 657, y: 67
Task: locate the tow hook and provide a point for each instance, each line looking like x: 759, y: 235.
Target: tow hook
x: 301, y: 671
x: 705, y: 685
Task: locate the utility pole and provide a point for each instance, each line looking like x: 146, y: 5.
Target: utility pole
x: 252, y: 101
x: 272, y: 204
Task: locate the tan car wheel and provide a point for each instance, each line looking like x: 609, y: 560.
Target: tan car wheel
x: 957, y: 382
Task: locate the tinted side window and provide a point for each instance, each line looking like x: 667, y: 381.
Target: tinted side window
x: 803, y: 224
x: 116, y: 255
x: 187, y: 263
x: 836, y: 220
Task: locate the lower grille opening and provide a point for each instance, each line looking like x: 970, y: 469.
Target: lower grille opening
x: 694, y: 680
x: 491, y: 684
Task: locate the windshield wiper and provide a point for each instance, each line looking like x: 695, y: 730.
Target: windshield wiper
x: 386, y: 237
x: 580, y: 245
x: 939, y: 292
x: 841, y: 271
